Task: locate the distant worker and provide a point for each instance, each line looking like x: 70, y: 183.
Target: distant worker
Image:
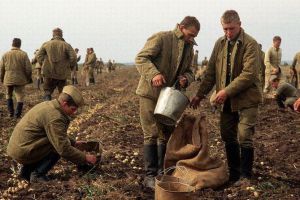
x: 75, y: 68
x: 101, y: 65
x: 204, y: 62
x: 272, y: 61
x: 195, y: 62
x: 40, y: 138
x: 262, y: 66
x: 114, y: 65
x: 57, y: 57
x: 109, y: 65
x: 286, y: 94
x: 15, y: 73
x: 91, y: 64
x: 38, y: 68
x: 165, y: 59
x: 296, y: 66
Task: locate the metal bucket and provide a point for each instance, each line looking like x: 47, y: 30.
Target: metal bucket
x: 170, y: 105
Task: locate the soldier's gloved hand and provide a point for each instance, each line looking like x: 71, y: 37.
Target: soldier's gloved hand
x: 158, y: 80
x: 91, y: 159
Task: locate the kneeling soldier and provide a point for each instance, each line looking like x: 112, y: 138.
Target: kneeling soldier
x: 286, y: 94
x: 40, y: 138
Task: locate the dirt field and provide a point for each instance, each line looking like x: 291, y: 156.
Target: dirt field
x: 111, y: 116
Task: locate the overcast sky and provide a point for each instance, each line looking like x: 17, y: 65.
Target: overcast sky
x: 118, y: 29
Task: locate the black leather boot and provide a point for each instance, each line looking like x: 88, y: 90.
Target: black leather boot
x: 10, y: 107
x: 26, y: 171
x: 161, y: 151
x: 234, y: 161
x: 76, y: 81
x: 151, y: 160
x: 247, y: 157
x: 19, y: 109
x: 42, y: 168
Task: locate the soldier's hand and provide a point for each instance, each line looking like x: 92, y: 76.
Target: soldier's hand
x: 221, y: 97
x: 297, y: 105
x: 91, y: 159
x: 182, y: 81
x: 158, y: 80
x: 195, y: 102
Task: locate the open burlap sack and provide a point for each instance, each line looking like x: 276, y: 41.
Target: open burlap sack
x: 188, y: 148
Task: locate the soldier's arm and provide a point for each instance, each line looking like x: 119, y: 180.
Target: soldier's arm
x: 56, y: 131
x: 143, y: 60
x: 267, y: 61
x: 28, y: 68
x: 294, y: 61
x: 209, y: 76
x: 2, y: 69
x: 78, y: 58
x: 41, y: 55
x: 189, y: 72
x: 71, y: 55
x: 249, y: 73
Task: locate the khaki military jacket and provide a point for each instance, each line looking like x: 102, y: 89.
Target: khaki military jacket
x: 195, y: 60
x: 272, y: 59
x: 162, y: 54
x: 91, y: 60
x: 15, y: 68
x: 43, y: 129
x: 57, y: 58
x: 244, y: 87
x: 35, y: 62
x: 296, y: 61
x: 262, y: 65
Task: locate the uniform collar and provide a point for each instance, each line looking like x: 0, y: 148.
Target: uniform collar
x: 57, y: 38
x: 179, y: 34
x: 57, y: 105
x: 15, y: 48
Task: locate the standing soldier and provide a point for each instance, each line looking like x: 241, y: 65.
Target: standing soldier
x: 195, y: 62
x: 75, y: 68
x: 90, y: 63
x: 15, y: 73
x: 109, y: 65
x: 204, y: 63
x: 56, y: 57
x: 262, y: 66
x: 38, y: 68
x: 272, y: 61
x: 166, y: 59
x: 234, y: 68
x: 101, y: 65
x: 296, y: 67
x: 114, y: 65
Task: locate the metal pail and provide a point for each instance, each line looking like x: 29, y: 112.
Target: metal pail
x: 170, y: 105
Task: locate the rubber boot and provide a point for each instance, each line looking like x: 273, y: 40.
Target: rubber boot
x: 42, y: 168
x: 26, y: 171
x: 19, y: 109
x: 161, y: 151
x: 76, y: 81
x: 10, y: 107
x: 38, y: 84
x: 234, y: 161
x: 247, y: 157
x: 151, y: 160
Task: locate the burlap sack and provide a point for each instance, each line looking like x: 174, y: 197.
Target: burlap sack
x: 188, y: 148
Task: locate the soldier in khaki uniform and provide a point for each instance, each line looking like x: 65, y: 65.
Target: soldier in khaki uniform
x: 75, y: 68
x: 296, y: 66
x: 195, y: 62
x: 262, y: 66
x: 15, y: 73
x: 38, y: 69
x: 234, y: 68
x: 91, y: 64
x: 204, y: 62
x: 165, y: 59
x: 57, y: 57
x: 272, y: 61
x: 40, y: 138
x: 109, y: 65
x: 286, y: 94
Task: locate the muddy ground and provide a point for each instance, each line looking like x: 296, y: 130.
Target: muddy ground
x: 111, y: 115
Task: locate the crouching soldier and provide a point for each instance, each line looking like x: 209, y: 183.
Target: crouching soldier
x: 40, y: 138
x: 15, y: 74
x: 285, y: 94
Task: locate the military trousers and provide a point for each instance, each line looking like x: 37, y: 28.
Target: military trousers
x: 38, y: 73
x: 19, y: 92
x: 238, y: 127
x: 50, y: 84
x: 154, y: 132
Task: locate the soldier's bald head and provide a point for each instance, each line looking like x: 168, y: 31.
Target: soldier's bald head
x: 57, y: 32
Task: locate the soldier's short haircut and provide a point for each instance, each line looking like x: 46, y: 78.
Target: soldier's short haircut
x: 57, y: 32
x: 76, y: 49
x: 67, y: 98
x: 190, y: 21
x: 276, y: 38
x: 16, y: 42
x: 230, y: 16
